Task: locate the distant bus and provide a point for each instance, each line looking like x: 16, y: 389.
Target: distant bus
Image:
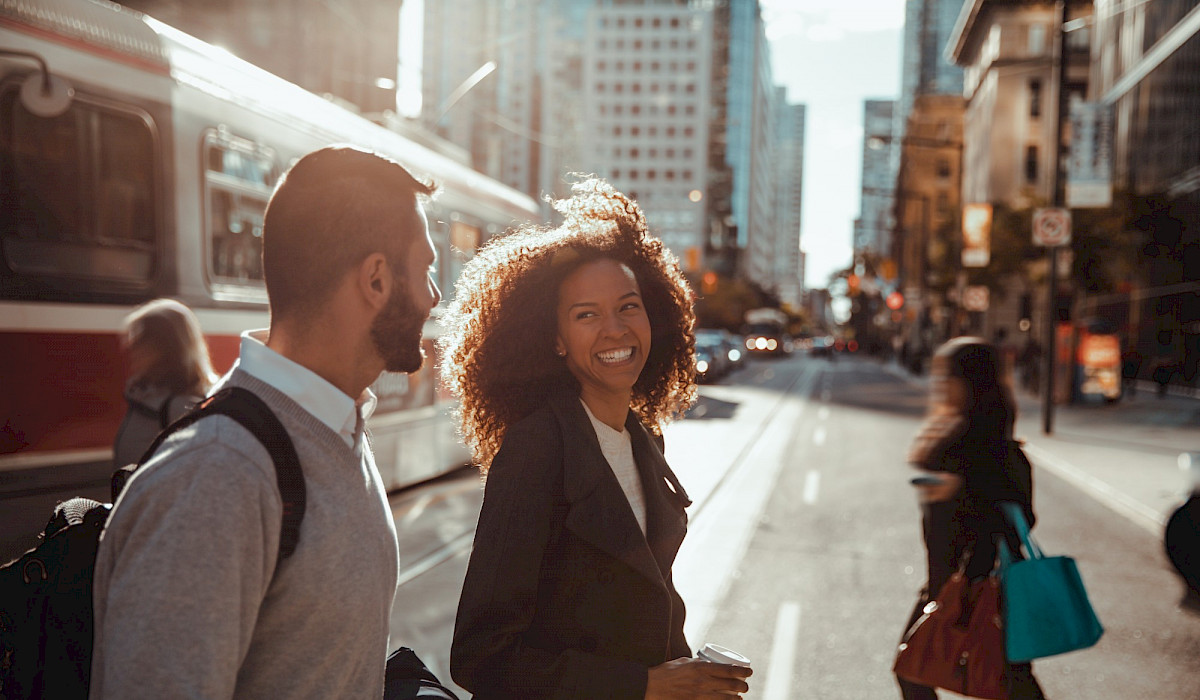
x: 766, y: 332
x: 145, y: 174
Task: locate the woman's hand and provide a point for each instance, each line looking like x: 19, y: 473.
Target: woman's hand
x: 694, y: 679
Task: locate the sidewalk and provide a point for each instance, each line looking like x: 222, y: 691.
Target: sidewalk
x: 1124, y: 454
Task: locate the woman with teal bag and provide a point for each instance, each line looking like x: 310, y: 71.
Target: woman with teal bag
x: 964, y: 449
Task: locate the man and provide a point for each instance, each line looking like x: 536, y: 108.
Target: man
x: 188, y: 600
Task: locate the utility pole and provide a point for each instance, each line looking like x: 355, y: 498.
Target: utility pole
x: 1052, y: 251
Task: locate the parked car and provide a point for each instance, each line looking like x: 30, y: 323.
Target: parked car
x: 734, y: 349
x: 706, y: 366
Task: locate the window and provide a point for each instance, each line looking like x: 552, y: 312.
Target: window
x: 617, y: 109
x: 634, y: 131
x: 1037, y: 39
x: 943, y: 168
x: 633, y: 153
x: 601, y: 65
x: 636, y: 87
x: 1031, y: 164
x: 670, y: 131
x: 689, y: 109
x: 79, y: 194
x: 237, y: 183
x: 635, y: 109
x: 1035, y: 97
x: 689, y: 131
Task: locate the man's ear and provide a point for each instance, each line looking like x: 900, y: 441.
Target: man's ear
x: 374, y: 280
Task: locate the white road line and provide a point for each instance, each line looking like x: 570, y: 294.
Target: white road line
x: 812, y: 484
x: 783, y: 652
x: 819, y: 436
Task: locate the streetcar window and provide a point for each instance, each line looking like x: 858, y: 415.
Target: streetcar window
x: 77, y: 193
x: 238, y: 180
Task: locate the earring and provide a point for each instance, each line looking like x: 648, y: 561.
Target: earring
x: 561, y: 353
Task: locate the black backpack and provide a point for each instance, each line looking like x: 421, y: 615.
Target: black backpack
x: 46, y: 595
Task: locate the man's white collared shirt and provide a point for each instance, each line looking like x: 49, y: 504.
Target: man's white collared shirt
x: 330, y: 405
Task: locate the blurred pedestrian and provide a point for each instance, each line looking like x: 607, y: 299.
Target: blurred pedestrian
x: 194, y: 596
x: 1131, y: 365
x: 168, y: 372
x: 568, y: 349
x: 966, y: 443
x: 1031, y: 365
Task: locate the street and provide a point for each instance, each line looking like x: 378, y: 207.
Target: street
x: 804, y: 550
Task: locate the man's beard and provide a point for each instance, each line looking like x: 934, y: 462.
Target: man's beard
x: 396, y: 333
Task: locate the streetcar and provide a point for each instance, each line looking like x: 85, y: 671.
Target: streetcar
x: 136, y: 162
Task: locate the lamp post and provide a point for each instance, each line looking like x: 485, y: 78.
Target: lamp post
x: 1052, y: 251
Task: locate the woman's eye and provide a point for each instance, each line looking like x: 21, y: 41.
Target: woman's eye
x: 631, y: 305
x: 584, y: 314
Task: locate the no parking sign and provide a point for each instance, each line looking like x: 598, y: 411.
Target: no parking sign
x: 1051, y: 226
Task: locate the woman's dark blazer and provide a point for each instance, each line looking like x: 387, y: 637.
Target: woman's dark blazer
x: 564, y: 596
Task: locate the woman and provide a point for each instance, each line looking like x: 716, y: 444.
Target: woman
x: 168, y: 372
x: 568, y: 348
x: 967, y: 443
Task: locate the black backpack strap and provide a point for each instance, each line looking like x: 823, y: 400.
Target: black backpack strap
x: 243, y: 406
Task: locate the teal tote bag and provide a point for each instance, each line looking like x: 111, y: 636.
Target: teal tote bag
x: 1046, y: 608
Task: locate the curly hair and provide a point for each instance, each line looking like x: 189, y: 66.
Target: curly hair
x: 498, y: 356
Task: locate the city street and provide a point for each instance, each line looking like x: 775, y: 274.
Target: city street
x: 804, y: 550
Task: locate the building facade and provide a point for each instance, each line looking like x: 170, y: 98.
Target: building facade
x: 873, y: 229
x: 1146, y: 68
x: 647, y: 76
x: 788, y: 277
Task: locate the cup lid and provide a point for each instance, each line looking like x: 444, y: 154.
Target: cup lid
x: 721, y: 655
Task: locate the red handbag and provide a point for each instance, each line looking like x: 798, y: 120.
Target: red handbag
x: 958, y: 644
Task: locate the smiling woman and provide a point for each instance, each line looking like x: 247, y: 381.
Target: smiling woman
x: 568, y: 348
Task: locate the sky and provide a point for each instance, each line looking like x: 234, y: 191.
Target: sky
x: 832, y: 55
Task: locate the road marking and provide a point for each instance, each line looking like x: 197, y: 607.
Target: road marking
x: 723, y: 523
x: 1122, y: 504
x: 812, y: 484
x: 819, y: 436
x: 783, y: 652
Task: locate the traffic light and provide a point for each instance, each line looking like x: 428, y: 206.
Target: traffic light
x: 895, y: 301
x: 708, y: 283
x: 853, y: 284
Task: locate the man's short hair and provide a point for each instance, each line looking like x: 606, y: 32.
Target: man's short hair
x: 330, y: 210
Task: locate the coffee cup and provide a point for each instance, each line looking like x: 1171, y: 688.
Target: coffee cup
x: 720, y: 655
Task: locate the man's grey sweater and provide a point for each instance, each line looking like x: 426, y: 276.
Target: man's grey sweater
x: 188, y: 601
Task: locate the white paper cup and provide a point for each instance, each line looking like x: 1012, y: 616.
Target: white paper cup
x: 721, y: 655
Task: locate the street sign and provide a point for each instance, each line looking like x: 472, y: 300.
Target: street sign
x: 1089, y: 163
x: 1051, y: 226
x: 975, y: 298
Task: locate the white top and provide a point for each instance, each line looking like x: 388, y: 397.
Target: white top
x: 618, y: 451
x: 329, y: 404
